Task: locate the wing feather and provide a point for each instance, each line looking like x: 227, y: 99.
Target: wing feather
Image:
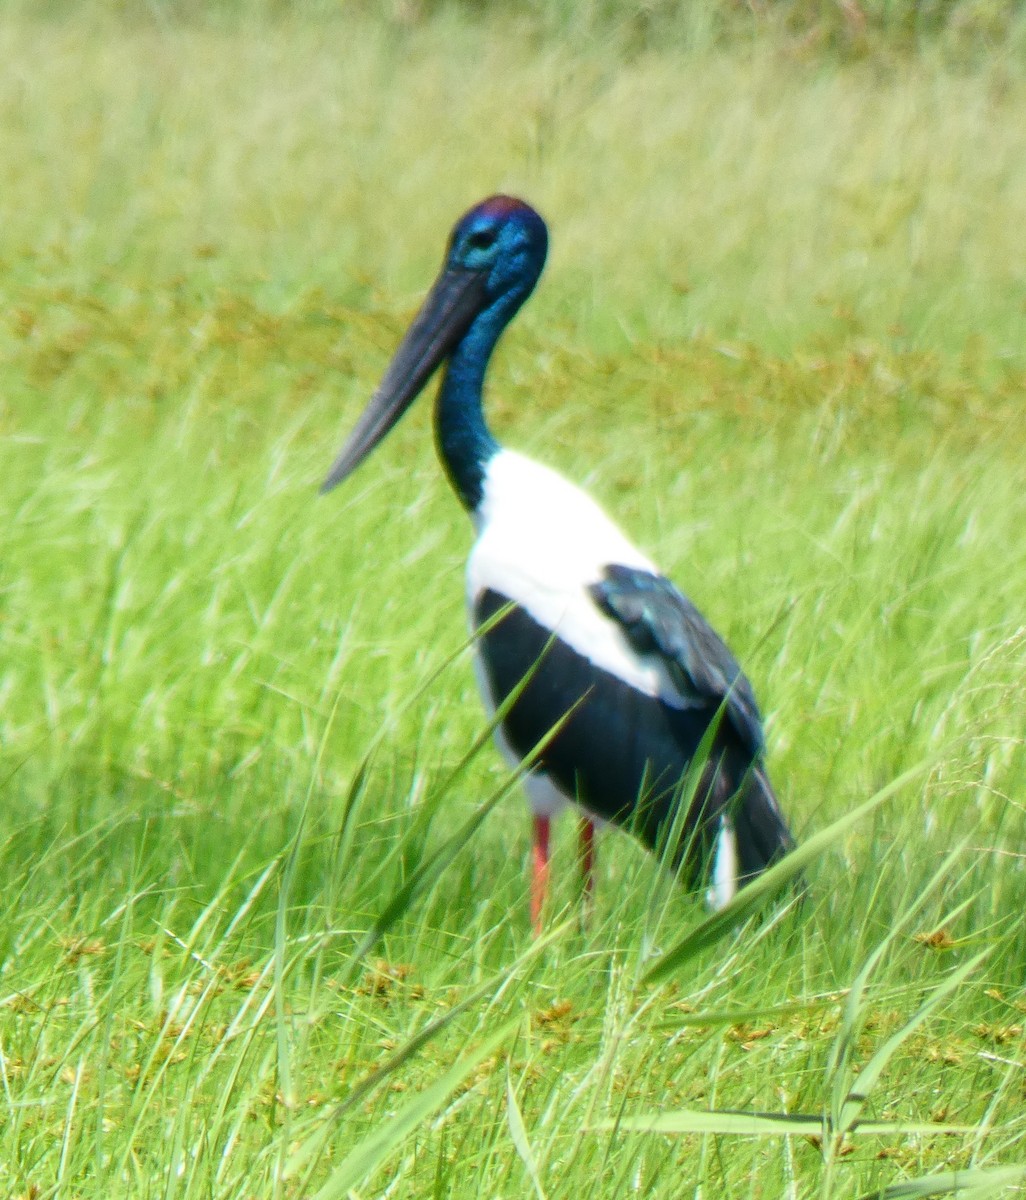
x: 659, y: 620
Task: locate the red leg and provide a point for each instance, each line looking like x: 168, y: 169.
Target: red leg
x: 539, y: 871
x: 586, y: 857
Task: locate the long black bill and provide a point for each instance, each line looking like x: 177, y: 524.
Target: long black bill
x: 446, y: 314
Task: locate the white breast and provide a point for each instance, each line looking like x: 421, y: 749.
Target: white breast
x: 541, y: 542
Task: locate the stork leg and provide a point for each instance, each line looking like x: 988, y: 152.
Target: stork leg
x: 539, y: 870
x: 586, y: 858
x: 586, y: 854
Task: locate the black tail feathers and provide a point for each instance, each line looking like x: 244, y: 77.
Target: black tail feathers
x: 761, y: 834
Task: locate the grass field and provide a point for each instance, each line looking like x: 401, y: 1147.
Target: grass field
x: 261, y: 937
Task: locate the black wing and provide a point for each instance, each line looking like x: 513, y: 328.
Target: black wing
x: 658, y: 619
x: 623, y: 753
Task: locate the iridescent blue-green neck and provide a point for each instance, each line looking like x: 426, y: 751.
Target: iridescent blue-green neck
x: 465, y: 443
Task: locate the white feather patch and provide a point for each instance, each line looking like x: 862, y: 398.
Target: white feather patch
x: 724, y: 873
x: 541, y: 543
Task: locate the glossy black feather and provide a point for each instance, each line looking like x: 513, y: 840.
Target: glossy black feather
x: 658, y: 619
x: 625, y: 755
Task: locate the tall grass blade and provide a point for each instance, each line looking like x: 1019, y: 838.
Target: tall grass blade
x: 280, y: 948
x: 853, y: 1009
x: 756, y: 1124
x: 521, y: 1142
x: 867, y: 1078
x: 741, y: 1016
x: 306, y: 1152
x: 979, y: 1182
x: 757, y: 894
x: 436, y: 862
x: 372, y: 1150
x: 427, y: 872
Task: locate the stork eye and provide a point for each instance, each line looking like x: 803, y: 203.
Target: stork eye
x: 483, y: 239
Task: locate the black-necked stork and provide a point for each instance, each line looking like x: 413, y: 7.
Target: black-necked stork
x: 607, y: 653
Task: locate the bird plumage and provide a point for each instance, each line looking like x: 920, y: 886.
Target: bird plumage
x: 643, y: 715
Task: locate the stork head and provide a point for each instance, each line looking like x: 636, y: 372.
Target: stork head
x: 495, y: 254
x: 504, y: 241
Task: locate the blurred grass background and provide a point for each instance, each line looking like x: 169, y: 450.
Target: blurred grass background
x: 764, y: 190
x: 780, y: 336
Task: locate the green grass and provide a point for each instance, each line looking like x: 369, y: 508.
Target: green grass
x: 780, y: 336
